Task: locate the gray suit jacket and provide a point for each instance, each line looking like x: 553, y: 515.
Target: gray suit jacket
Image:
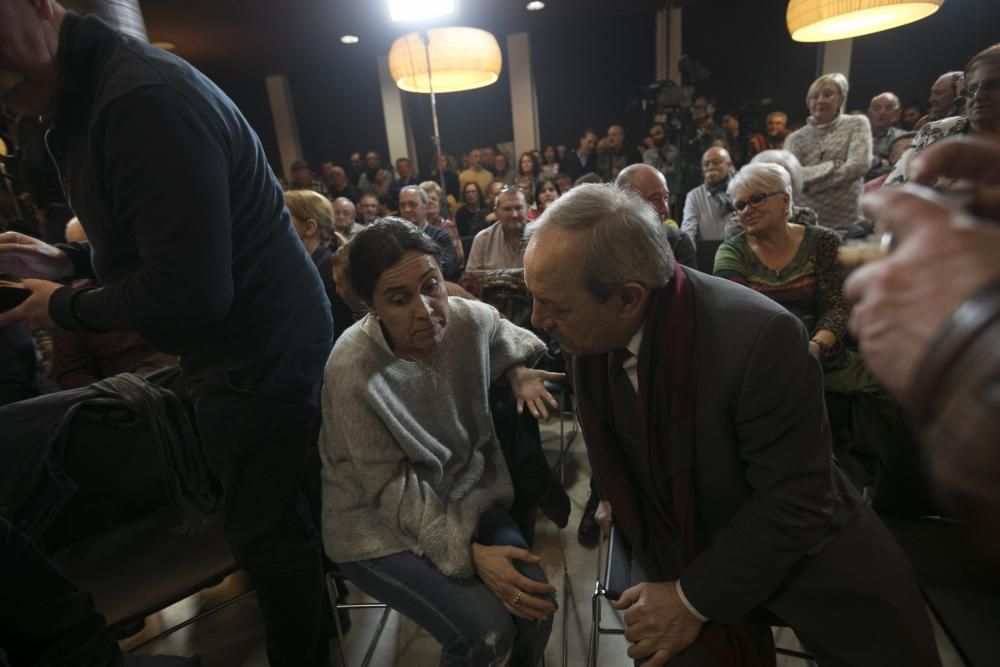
x: 767, y: 489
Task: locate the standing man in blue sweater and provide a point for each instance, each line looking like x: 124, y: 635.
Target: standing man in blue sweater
x: 191, y: 245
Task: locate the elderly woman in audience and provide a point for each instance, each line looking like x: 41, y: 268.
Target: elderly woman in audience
x: 835, y: 150
x: 982, y: 117
x: 416, y: 488
x: 436, y: 217
x: 802, y: 215
x: 796, y: 265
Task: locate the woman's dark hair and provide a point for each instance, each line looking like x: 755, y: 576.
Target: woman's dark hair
x: 380, y: 246
x: 555, y: 154
x: 535, y: 167
x: 543, y: 181
x: 479, y: 191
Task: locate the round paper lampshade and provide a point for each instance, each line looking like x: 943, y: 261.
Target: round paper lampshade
x: 461, y: 59
x: 827, y: 20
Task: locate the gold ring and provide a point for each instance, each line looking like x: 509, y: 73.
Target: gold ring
x: 516, y: 598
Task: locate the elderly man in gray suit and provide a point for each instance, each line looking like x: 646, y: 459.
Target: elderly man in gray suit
x: 703, y: 413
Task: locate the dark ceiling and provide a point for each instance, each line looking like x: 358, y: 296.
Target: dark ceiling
x: 274, y: 36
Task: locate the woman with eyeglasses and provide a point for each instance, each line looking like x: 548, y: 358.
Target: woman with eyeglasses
x: 794, y: 264
x: 835, y: 150
x: 982, y: 115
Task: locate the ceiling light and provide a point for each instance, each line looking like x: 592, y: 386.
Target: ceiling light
x: 828, y: 20
x: 460, y: 59
x: 349, y: 39
x: 535, y: 5
x: 420, y: 10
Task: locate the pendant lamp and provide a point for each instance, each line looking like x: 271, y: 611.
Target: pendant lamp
x: 828, y: 20
x: 457, y: 59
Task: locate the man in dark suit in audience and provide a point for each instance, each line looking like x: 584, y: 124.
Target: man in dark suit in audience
x: 703, y: 414
x: 192, y: 248
x: 584, y: 159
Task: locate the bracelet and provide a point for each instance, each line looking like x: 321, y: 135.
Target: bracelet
x: 824, y: 348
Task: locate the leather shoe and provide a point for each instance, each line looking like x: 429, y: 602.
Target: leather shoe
x: 589, y: 533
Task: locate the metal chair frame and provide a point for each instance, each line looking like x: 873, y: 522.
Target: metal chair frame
x: 331, y: 590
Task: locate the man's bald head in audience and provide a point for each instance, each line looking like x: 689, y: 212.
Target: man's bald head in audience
x: 649, y: 183
x: 883, y: 111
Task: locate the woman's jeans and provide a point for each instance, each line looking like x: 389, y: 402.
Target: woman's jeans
x: 464, y: 615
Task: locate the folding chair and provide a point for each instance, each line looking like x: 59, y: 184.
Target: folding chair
x: 336, y: 605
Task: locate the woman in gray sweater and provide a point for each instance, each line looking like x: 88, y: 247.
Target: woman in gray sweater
x: 835, y: 150
x: 415, y: 486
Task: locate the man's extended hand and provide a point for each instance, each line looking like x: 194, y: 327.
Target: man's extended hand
x: 34, y: 309
x: 659, y: 625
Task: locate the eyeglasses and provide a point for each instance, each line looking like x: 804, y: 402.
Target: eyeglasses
x: 988, y: 86
x: 755, y: 200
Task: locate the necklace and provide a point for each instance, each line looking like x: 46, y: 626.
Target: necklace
x: 425, y: 363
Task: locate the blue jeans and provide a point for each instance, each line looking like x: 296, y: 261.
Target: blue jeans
x: 463, y: 615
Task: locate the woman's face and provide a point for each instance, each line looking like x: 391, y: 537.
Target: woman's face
x: 304, y: 228
x: 471, y: 194
x: 824, y: 102
x: 411, y: 302
x: 526, y: 164
x: 764, y: 211
x: 494, y: 190
x: 433, y: 206
x: 550, y: 154
x: 547, y: 194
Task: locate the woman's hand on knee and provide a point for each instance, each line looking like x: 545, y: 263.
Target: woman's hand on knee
x: 520, y: 595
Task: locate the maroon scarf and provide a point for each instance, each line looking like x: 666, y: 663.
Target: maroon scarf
x: 663, y: 530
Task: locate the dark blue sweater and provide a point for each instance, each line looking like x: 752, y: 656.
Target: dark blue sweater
x: 189, y: 236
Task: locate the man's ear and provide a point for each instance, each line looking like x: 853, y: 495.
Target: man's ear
x: 631, y: 298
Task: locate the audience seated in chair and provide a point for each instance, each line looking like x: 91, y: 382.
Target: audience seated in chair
x: 416, y: 489
x: 796, y: 265
x: 499, y: 246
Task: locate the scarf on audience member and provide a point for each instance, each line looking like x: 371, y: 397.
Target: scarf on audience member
x: 662, y: 530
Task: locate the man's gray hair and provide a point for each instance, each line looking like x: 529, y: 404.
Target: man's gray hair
x: 787, y: 160
x: 420, y: 191
x: 758, y: 177
x: 622, y: 237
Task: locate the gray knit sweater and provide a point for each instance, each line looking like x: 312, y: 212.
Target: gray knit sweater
x: 410, y: 458
x: 833, y: 192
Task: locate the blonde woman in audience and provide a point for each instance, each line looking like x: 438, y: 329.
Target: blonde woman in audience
x: 835, y: 150
x: 416, y: 490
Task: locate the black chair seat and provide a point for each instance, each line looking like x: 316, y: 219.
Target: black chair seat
x: 143, y: 566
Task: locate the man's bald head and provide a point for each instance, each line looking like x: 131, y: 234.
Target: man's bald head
x: 715, y: 165
x: 649, y: 183
x: 883, y: 111
x: 943, y: 93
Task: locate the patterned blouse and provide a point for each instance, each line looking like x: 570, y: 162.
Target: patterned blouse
x: 810, y: 286
x: 834, y: 158
x: 927, y: 136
